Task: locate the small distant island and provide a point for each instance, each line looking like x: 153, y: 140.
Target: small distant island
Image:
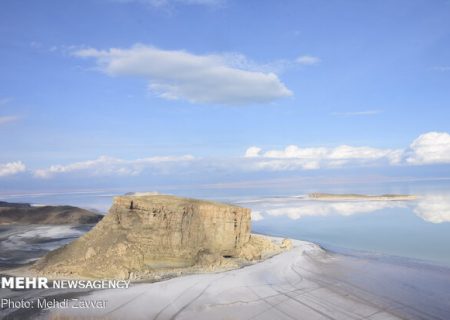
x: 25, y: 214
x: 354, y: 196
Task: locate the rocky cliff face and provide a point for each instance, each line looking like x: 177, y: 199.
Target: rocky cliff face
x: 143, y: 235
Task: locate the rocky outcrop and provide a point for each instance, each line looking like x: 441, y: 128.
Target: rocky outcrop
x: 154, y: 235
x: 24, y: 213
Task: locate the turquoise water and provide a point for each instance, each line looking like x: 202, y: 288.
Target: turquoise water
x: 417, y: 229
x: 414, y: 229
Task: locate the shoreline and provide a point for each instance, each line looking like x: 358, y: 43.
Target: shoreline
x: 305, y: 280
x: 170, y: 273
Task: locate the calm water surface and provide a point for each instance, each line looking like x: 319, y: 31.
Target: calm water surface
x: 417, y: 229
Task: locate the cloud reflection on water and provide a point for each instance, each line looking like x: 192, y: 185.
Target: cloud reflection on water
x: 434, y: 208
x: 430, y: 208
x: 316, y: 208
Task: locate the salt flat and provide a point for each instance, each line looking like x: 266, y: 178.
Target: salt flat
x: 303, y: 283
x: 292, y: 285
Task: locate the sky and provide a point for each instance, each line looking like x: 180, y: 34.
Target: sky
x: 148, y: 92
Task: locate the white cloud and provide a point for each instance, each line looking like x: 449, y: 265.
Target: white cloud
x: 11, y: 168
x: 294, y: 157
x: 114, y: 166
x: 197, y: 78
x: 308, y: 60
x: 8, y: 119
x: 240, y: 61
x: 252, y: 152
x: 429, y: 148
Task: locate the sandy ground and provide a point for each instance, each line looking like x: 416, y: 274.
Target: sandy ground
x: 304, y: 283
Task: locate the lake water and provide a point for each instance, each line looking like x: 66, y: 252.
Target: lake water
x: 417, y: 229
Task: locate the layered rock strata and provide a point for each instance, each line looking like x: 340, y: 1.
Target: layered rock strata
x: 153, y: 236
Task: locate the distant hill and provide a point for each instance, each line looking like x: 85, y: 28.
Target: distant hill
x: 24, y: 213
x: 14, y: 205
x: 351, y: 196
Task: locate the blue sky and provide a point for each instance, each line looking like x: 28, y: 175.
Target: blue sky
x: 207, y: 90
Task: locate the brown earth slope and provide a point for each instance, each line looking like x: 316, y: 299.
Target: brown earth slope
x: 22, y: 213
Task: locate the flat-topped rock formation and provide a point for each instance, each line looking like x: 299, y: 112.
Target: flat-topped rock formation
x: 352, y: 196
x: 146, y: 237
x: 24, y: 213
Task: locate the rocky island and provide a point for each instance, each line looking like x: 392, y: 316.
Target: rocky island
x: 352, y: 196
x: 158, y: 236
x: 154, y: 237
x: 25, y: 213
